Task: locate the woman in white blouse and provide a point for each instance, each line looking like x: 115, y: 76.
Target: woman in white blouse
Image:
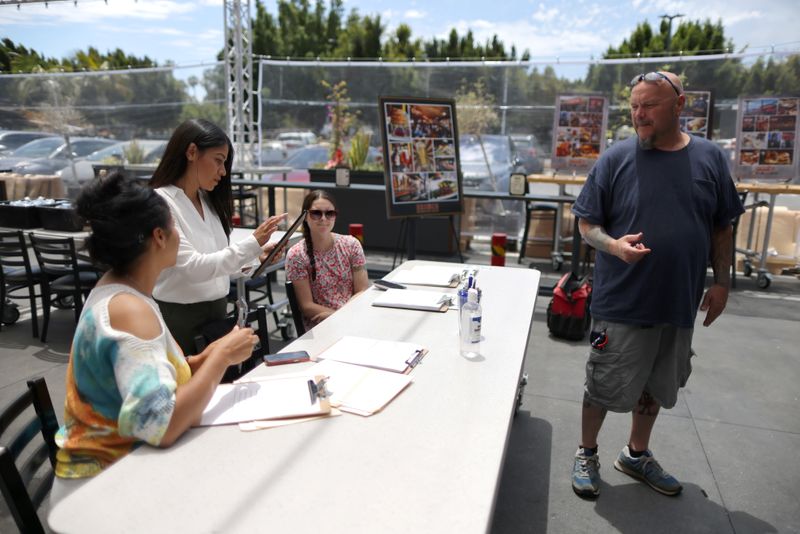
x: 194, y: 177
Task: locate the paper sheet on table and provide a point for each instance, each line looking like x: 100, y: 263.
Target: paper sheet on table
x: 250, y: 426
x: 413, y: 299
x: 428, y: 275
x: 397, y: 356
x: 360, y: 390
x: 277, y: 398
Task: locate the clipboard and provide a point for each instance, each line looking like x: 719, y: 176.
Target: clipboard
x: 396, y: 356
x: 278, y: 397
x: 414, y: 299
x: 280, y: 244
x: 429, y: 275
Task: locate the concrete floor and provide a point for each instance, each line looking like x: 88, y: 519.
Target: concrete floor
x: 730, y: 439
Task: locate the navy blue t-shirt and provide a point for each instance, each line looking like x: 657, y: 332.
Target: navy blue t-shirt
x: 675, y: 199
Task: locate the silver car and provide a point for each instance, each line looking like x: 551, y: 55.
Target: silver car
x: 117, y: 154
x: 46, y: 156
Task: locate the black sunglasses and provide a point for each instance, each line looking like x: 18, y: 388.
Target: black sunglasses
x: 654, y: 77
x: 317, y: 214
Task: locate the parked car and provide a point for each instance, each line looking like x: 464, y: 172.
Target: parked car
x: 294, y: 141
x: 505, y: 216
x: 10, y: 140
x: 116, y: 154
x: 529, y: 152
x: 272, y: 153
x: 40, y: 148
x: 311, y: 157
x: 46, y: 156
x: 297, y: 139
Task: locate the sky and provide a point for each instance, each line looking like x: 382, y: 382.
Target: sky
x: 190, y: 32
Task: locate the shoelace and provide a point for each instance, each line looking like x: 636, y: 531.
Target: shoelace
x: 583, y: 464
x: 649, y: 464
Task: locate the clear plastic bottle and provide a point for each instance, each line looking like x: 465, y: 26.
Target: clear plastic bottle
x: 470, y: 331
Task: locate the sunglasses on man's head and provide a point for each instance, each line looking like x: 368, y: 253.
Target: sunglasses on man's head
x: 654, y: 77
x: 317, y: 214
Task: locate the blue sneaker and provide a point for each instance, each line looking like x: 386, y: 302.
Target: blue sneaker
x: 647, y: 469
x: 586, y: 474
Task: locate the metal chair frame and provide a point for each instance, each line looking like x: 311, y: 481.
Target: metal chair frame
x: 16, y: 272
x: 21, y: 492
x: 62, y: 274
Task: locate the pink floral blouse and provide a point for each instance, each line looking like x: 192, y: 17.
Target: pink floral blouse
x: 333, y: 286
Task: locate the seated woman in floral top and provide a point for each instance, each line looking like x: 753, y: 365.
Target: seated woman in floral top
x: 127, y: 381
x: 327, y: 269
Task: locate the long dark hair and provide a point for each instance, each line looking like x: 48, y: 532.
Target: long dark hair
x: 316, y: 194
x: 122, y: 214
x: 204, y: 134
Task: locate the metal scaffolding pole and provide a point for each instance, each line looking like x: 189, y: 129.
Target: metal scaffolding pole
x: 239, y: 81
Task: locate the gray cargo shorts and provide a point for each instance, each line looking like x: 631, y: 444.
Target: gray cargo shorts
x: 635, y: 359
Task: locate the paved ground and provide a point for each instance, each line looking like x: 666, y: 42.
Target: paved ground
x: 731, y: 439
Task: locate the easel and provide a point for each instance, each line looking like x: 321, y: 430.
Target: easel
x: 408, y: 232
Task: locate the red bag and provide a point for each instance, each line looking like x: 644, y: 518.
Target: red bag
x: 568, y: 312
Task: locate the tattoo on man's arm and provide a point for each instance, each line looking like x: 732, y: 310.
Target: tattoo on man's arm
x: 597, y: 237
x: 357, y: 268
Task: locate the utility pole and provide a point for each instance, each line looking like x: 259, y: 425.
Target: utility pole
x: 669, y: 27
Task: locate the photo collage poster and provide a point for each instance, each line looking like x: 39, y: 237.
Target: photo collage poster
x: 766, y: 135
x: 421, y: 157
x: 696, y: 115
x: 580, y: 131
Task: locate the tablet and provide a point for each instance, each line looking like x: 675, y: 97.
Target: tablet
x: 281, y: 243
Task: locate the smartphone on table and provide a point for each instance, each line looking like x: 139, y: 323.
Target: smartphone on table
x: 287, y: 357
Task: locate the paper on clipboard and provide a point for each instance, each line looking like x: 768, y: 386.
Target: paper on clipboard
x: 397, y: 356
x: 280, y: 245
x: 413, y: 299
x: 428, y: 275
x: 360, y: 390
x: 278, y: 397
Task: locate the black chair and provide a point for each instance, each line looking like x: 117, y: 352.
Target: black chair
x: 62, y: 274
x: 294, y: 306
x: 216, y: 329
x: 245, y: 204
x: 532, y: 206
x: 23, y: 494
x: 17, y: 273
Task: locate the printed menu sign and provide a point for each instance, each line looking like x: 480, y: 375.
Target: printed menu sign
x: 420, y: 157
x: 579, y: 126
x: 696, y: 115
x: 766, y: 136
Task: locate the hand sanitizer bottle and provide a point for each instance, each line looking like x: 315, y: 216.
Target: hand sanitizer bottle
x: 471, y: 326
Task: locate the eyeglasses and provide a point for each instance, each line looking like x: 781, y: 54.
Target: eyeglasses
x: 654, y: 77
x: 317, y: 214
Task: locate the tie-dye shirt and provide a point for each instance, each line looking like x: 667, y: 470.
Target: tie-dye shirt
x: 120, y: 389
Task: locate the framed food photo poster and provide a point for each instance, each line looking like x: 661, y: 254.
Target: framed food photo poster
x: 766, y: 138
x: 421, y: 159
x: 696, y: 115
x: 579, y: 128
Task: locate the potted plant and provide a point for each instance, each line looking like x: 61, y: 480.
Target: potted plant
x: 355, y: 156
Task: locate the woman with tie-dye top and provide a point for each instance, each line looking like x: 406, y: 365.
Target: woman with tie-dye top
x: 128, y: 382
